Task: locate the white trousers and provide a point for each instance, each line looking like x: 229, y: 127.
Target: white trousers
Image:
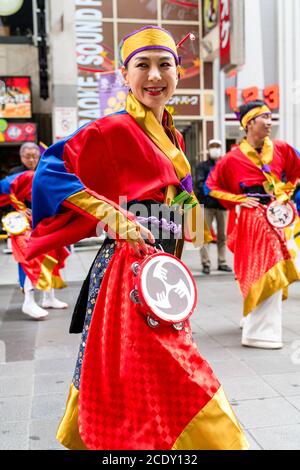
x: 265, y: 322
x: 28, y: 285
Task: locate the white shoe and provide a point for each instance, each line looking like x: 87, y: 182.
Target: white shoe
x: 254, y: 343
x: 50, y: 301
x: 242, y: 322
x: 33, y: 310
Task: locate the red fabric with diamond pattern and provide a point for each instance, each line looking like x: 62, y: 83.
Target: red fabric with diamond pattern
x: 140, y: 387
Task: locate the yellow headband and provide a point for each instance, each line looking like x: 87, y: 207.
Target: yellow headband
x: 147, y: 38
x: 254, y: 113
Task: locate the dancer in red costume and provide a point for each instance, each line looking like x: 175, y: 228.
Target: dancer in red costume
x: 43, y: 271
x: 134, y: 387
x: 250, y: 176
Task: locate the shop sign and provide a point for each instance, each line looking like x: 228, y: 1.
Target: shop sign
x: 12, y: 132
x: 184, y: 105
x: 65, y: 122
x: 210, y: 15
x: 112, y: 93
x: 270, y: 95
x: 92, y: 57
x: 15, y: 98
x: 232, y: 34
x: 225, y: 25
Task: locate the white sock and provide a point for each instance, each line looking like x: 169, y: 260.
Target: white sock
x: 30, y: 307
x: 50, y: 301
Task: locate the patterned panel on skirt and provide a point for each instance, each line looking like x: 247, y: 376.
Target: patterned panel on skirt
x: 99, y: 268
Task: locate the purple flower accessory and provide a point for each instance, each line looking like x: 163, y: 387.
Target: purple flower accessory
x: 266, y: 168
x: 186, y: 184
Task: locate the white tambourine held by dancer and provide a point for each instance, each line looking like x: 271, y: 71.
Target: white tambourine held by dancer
x: 15, y: 223
x: 280, y: 215
x: 164, y: 290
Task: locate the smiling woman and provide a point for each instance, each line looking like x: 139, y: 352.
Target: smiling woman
x: 134, y: 387
x: 152, y: 79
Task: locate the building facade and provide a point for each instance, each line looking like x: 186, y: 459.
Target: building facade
x: 83, y: 39
x: 69, y: 49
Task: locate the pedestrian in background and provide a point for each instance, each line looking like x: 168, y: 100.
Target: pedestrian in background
x: 29, y: 156
x: 213, y: 209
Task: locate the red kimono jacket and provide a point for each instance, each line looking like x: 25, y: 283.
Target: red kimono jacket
x: 44, y: 269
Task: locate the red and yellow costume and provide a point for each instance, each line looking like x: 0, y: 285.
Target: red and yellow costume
x: 43, y: 270
x: 262, y: 262
x: 139, y: 388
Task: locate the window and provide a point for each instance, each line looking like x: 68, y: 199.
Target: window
x: 17, y: 27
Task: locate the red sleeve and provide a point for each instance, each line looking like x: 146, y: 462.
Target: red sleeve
x: 218, y: 186
x: 21, y: 187
x: 291, y: 162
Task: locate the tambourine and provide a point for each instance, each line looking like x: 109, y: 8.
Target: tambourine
x: 164, y: 290
x: 280, y: 215
x: 15, y: 223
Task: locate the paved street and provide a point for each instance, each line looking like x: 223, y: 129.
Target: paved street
x: 37, y: 360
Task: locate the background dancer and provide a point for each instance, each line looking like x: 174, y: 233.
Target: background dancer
x: 42, y: 272
x: 251, y: 175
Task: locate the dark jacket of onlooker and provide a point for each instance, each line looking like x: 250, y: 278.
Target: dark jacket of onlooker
x: 202, y: 171
x: 17, y: 169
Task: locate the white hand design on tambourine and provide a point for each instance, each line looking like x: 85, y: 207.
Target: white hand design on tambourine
x: 280, y: 215
x: 165, y: 289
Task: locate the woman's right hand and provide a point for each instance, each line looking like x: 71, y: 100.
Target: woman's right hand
x: 138, y: 244
x: 251, y: 202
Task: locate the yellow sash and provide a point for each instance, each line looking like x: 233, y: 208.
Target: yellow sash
x: 155, y: 131
x: 272, y: 185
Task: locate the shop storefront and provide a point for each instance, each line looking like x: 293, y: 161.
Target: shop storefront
x: 24, y: 111
x: 16, y: 124
x: 257, y: 77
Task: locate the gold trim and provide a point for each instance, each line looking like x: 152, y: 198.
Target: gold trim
x: 45, y: 279
x: 58, y: 282
x: 277, y: 278
x: 105, y: 213
x: 19, y: 205
x: 238, y: 198
x: 68, y: 430
x: 215, y: 427
x: 155, y: 131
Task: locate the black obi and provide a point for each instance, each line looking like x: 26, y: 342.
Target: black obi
x: 256, y: 190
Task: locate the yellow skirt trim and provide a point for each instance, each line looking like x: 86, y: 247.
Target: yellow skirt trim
x: 215, y: 427
x: 277, y: 278
x: 68, y: 431
x: 45, y: 280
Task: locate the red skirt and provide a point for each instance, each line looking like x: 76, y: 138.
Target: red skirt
x: 262, y: 262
